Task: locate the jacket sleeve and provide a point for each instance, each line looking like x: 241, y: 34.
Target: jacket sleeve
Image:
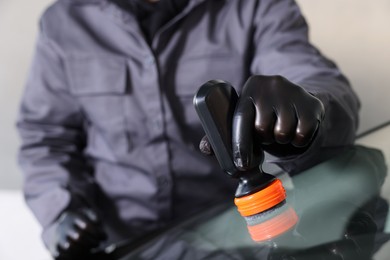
x: 50, y: 124
x: 282, y: 47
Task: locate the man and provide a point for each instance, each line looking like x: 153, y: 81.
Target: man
x: 109, y: 131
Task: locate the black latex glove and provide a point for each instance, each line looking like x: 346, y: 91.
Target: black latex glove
x: 76, y: 233
x: 275, y: 115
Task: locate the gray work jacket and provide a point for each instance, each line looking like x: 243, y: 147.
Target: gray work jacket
x: 108, y: 119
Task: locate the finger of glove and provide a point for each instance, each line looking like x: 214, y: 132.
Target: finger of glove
x: 71, y: 251
x: 242, y: 133
x: 205, y: 146
x: 310, y: 116
x: 286, y: 124
x: 265, y: 122
x: 63, y: 230
x: 91, y: 215
x: 82, y: 239
x: 85, y: 225
x: 65, y: 246
x: 62, y: 256
x: 305, y: 132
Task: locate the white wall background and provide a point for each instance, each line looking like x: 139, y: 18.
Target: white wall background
x: 354, y: 33
x: 19, y: 231
x: 18, y: 27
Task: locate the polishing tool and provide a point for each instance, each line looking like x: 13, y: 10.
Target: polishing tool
x: 259, y: 195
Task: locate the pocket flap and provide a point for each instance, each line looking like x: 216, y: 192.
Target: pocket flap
x: 96, y: 75
x: 193, y: 73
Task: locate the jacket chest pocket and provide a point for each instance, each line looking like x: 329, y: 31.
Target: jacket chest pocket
x: 100, y: 86
x: 194, y: 72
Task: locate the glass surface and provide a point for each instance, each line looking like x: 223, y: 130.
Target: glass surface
x: 341, y: 207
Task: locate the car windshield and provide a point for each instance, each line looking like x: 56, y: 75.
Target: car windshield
x: 335, y: 210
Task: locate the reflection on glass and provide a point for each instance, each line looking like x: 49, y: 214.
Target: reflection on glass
x: 342, y: 215
x: 270, y: 225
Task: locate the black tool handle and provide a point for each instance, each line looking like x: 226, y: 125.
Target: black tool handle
x: 215, y: 103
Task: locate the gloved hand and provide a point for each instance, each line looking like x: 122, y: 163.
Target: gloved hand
x: 274, y: 115
x: 76, y: 232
